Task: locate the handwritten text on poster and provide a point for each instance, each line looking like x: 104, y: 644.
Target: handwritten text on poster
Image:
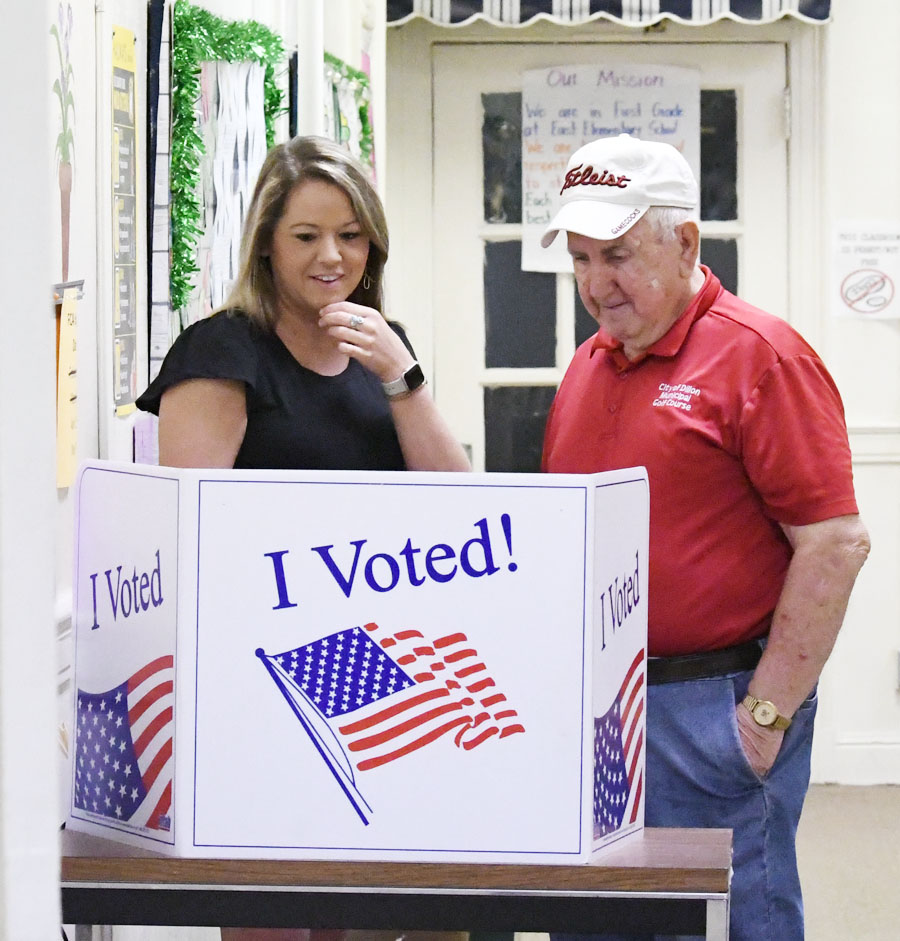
x: 566, y: 106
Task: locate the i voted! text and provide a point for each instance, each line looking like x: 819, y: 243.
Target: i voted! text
x: 357, y: 565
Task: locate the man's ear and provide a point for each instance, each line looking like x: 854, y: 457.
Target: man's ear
x: 689, y: 242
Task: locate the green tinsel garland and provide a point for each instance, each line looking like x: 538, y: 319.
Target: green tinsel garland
x: 200, y: 36
x: 361, y: 94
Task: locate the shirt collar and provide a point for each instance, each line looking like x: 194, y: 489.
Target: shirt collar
x: 670, y: 343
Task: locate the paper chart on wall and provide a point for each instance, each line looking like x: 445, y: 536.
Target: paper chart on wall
x: 124, y: 222
x: 564, y: 107
x: 67, y: 390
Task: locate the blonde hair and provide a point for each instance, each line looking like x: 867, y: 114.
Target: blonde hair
x: 286, y: 167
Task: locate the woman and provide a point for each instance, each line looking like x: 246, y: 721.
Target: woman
x: 300, y: 370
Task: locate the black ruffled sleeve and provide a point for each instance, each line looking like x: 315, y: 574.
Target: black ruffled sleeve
x: 223, y: 346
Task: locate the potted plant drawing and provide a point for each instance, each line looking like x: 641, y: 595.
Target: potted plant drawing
x: 62, y: 87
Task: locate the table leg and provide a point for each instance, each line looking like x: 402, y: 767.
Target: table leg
x: 93, y: 933
x: 717, y: 917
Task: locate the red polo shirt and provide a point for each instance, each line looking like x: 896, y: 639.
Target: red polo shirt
x: 741, y: 428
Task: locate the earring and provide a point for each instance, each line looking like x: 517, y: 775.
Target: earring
x: 366, y: 281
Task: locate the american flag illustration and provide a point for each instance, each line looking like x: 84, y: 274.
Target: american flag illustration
x: 123, y: 748
x: 367, y: 697
x: 618, y: 743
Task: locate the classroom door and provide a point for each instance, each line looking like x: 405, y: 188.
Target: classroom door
x: 503, y: 337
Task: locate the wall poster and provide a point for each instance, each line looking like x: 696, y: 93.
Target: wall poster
x: 231, y: 123
x: 67, y: 386
x: 124, y: 201
x: 564, y: 107
x: 225, y: 98
x: 866, y: 270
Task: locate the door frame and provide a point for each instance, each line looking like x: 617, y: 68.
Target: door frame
x: 755, y: 72
x: 409, y: 187
x: 409, y: 180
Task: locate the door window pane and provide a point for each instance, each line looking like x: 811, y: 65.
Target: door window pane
x: 718, y: 154
x: 519, y: 310
x: 514, y: 420
x: 721, y: 257
x: 585, y: 325
x: 501, y: 147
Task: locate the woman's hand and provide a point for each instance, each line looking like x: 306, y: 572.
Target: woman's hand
x: 361, y: 332
x: 425, y: 439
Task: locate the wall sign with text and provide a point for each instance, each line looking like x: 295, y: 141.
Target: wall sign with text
x: 564, y: 107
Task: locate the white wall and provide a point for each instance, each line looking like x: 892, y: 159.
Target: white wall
x: 29, y: 903
x: 860, y: 701
x: 843, y: 146
x: 347, y: 28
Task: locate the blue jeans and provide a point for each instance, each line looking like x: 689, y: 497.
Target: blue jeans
x: 698, y: 776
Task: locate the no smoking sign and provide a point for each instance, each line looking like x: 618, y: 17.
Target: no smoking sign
x: 867, y: 291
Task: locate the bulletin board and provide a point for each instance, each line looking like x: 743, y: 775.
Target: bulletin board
x: 209, y: 57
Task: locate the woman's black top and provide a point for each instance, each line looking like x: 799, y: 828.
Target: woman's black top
x: 296, y: 419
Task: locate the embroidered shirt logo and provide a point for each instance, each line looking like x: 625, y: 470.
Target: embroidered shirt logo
x: 677, y: 396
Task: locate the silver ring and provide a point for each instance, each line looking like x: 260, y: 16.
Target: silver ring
x: 356, y: 321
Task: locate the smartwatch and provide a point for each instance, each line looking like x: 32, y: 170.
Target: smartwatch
x: 408, y: 382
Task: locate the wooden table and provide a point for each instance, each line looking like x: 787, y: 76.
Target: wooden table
x: 664, y: 880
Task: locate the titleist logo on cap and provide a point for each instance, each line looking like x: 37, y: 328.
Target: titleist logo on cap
x: 587, y: 177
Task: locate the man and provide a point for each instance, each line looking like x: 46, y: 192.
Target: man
x: 755, y: 538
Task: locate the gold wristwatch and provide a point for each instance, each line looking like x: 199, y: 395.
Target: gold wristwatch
x: 765, y: 713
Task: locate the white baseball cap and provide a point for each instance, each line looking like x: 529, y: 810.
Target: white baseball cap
x: 610, y: 183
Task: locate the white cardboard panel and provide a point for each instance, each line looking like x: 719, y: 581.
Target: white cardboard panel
x: 360, y: 665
